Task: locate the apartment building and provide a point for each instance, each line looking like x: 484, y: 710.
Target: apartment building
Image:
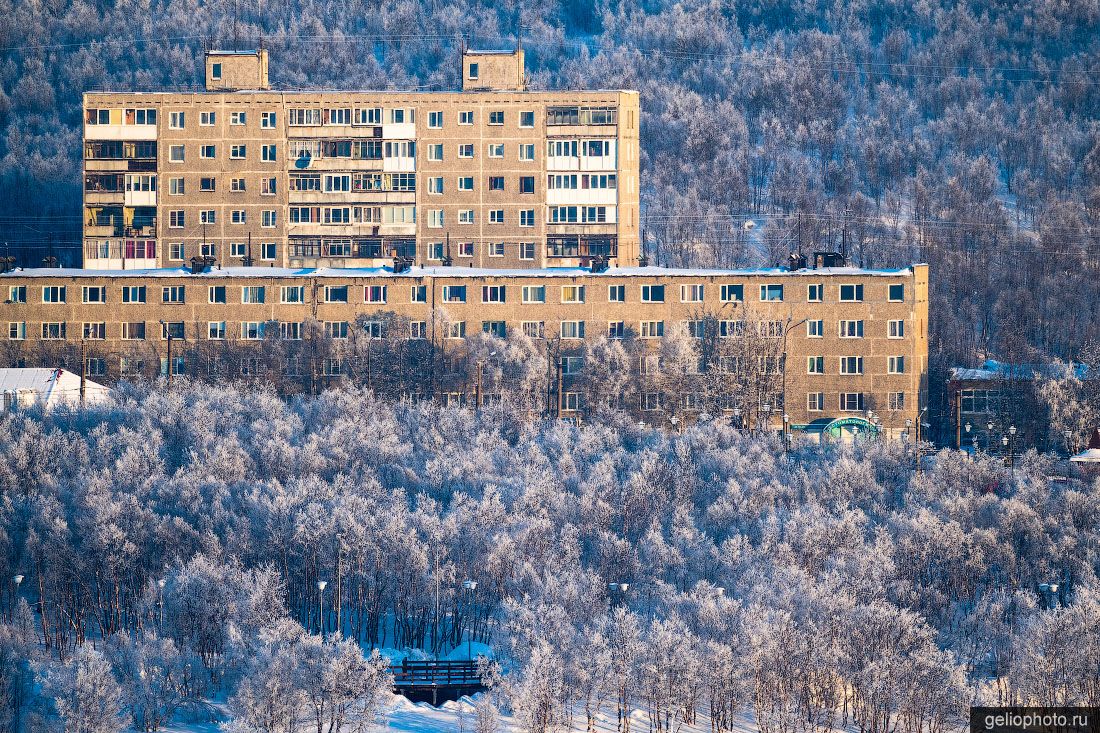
x: 493, y: 176
x: 836, y: 342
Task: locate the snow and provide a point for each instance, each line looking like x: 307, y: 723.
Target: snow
x: 419, y: 272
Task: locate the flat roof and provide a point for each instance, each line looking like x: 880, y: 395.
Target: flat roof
x: 456, y: 271
x: 201, y: 90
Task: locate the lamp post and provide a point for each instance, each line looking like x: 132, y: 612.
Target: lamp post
x: 675, y: 423
x: 783, y: 362
x: 18, y: 579
x: 786, y: 433
x: 168, y: 335
x: 1068, y: 435
x: 160, y: 601
x: 321, y: 584
x: 1012, y: 446
x: 1048, y: 594
x: 469, y: 586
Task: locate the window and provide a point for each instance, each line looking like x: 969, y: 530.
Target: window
x: 368, y: 116
x: 237, y: 118
x: 527, y: 217
x: 534, y: 329
x: 267, y: 120
x: 53, y: 294
x: 53, y: 331
x: 252, y: 294
x: 815, y: 402
x: 268, y: 217
x: 374, y: 294
x: 897, y: 293
x: 466, y: 117
x: 466, y: 151
x: 851, y: 365
x: 496, y: 150
x: 17, y: 331
x: 292, y: 294
x: 731, y: 329
x: 176, y: 120
x: 418, y: 294
x: 17, y: 294
x: 496, y: 216
x: 267, y: 186
x: 435, y: 218
x: 815, y: 329
x: 336, y: 293
x: 215, y: 72
x: 208, y: 151
x: 496, y: 249
x: 571, y: 365
x: 895, y: 365
x: 133, y: 331
x: 526, y: 119
x: 176, y: 251
x: 493, y: 294
x: 572, y: 329
x: 895, y: 329
x: 435, y: 120
x: 814, y: 293
x: 268, y: 153
x: 456, y: 330
x: 473, y: 71
x: 173, y: 294
x: 653, y: 293
x: 336, y: 329
x: 534, y: 293
x: 208, y: 184
x: 851, y: 329
x: 851, y: 293
x: 95, y: 331
x: 215, y: 330
x: 527, y: 151
x: 596, y: 148
x: 435, y: 151
x: 815, y: 365
x: 216, y: 294
x: 691, y: 293
x: 771, y: 292
x: 526, y: 184
x: 418, y: 330
x: 527, y: 250
x: 239, y: 216
x: 495, y: 328
x: 176, y: 187
x: 208, y: 216
x: 496, y: 183
x: 237, y: 152
x: 897, y: 400
x: 252, y: 330
x: 731, y: 293
x: 172, y: 329
x: 305, y: 117
x: 435, y: 184
x: 267, y: 250
x: 207, y: 119
x: 133, y: 294
x: 397, y: 116
x: 94, y: 294
x: 651, y: 401
x: 616, y: 329
x: 616, y: 293
x: 851, y: 402
x: 454, y: 293
x: 652, y: 329
x: 175, y: 153
x: 572, y: 293
x: 496, y: 118
x: 465, y: 183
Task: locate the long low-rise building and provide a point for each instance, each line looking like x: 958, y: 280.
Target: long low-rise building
x: 828, y: 347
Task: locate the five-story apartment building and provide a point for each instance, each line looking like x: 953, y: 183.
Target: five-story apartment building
x: 492, y: 176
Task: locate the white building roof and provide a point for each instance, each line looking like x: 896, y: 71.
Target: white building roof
x: 50, y: 387
x: 418, y: 271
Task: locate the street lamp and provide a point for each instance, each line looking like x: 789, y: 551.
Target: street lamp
x: 617, y: 592
x: 321, y: 585
x: 675, y: 423
x: 469, y: 586
x: 786, y: 433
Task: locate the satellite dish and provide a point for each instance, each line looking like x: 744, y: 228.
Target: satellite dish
x: 303, y: 160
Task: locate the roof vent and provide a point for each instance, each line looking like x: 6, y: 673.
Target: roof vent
x: 200, y: 265
x: 829, y: 259
x: 797, y: 261
x: 401, y: 264
x: 599, y: 264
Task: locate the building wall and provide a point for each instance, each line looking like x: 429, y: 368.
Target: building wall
x: 876, y: 310
x: 106, y: 238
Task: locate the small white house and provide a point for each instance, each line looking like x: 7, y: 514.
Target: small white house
x: 49, y: 387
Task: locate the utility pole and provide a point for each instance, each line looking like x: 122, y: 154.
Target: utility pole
x: 957, y: 399
x: 477, y: 388
x: 83, y: 369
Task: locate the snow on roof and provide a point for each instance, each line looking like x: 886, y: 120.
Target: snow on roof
x: 417, y: 272
x: 50, y: 386
x: 993, y: 370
